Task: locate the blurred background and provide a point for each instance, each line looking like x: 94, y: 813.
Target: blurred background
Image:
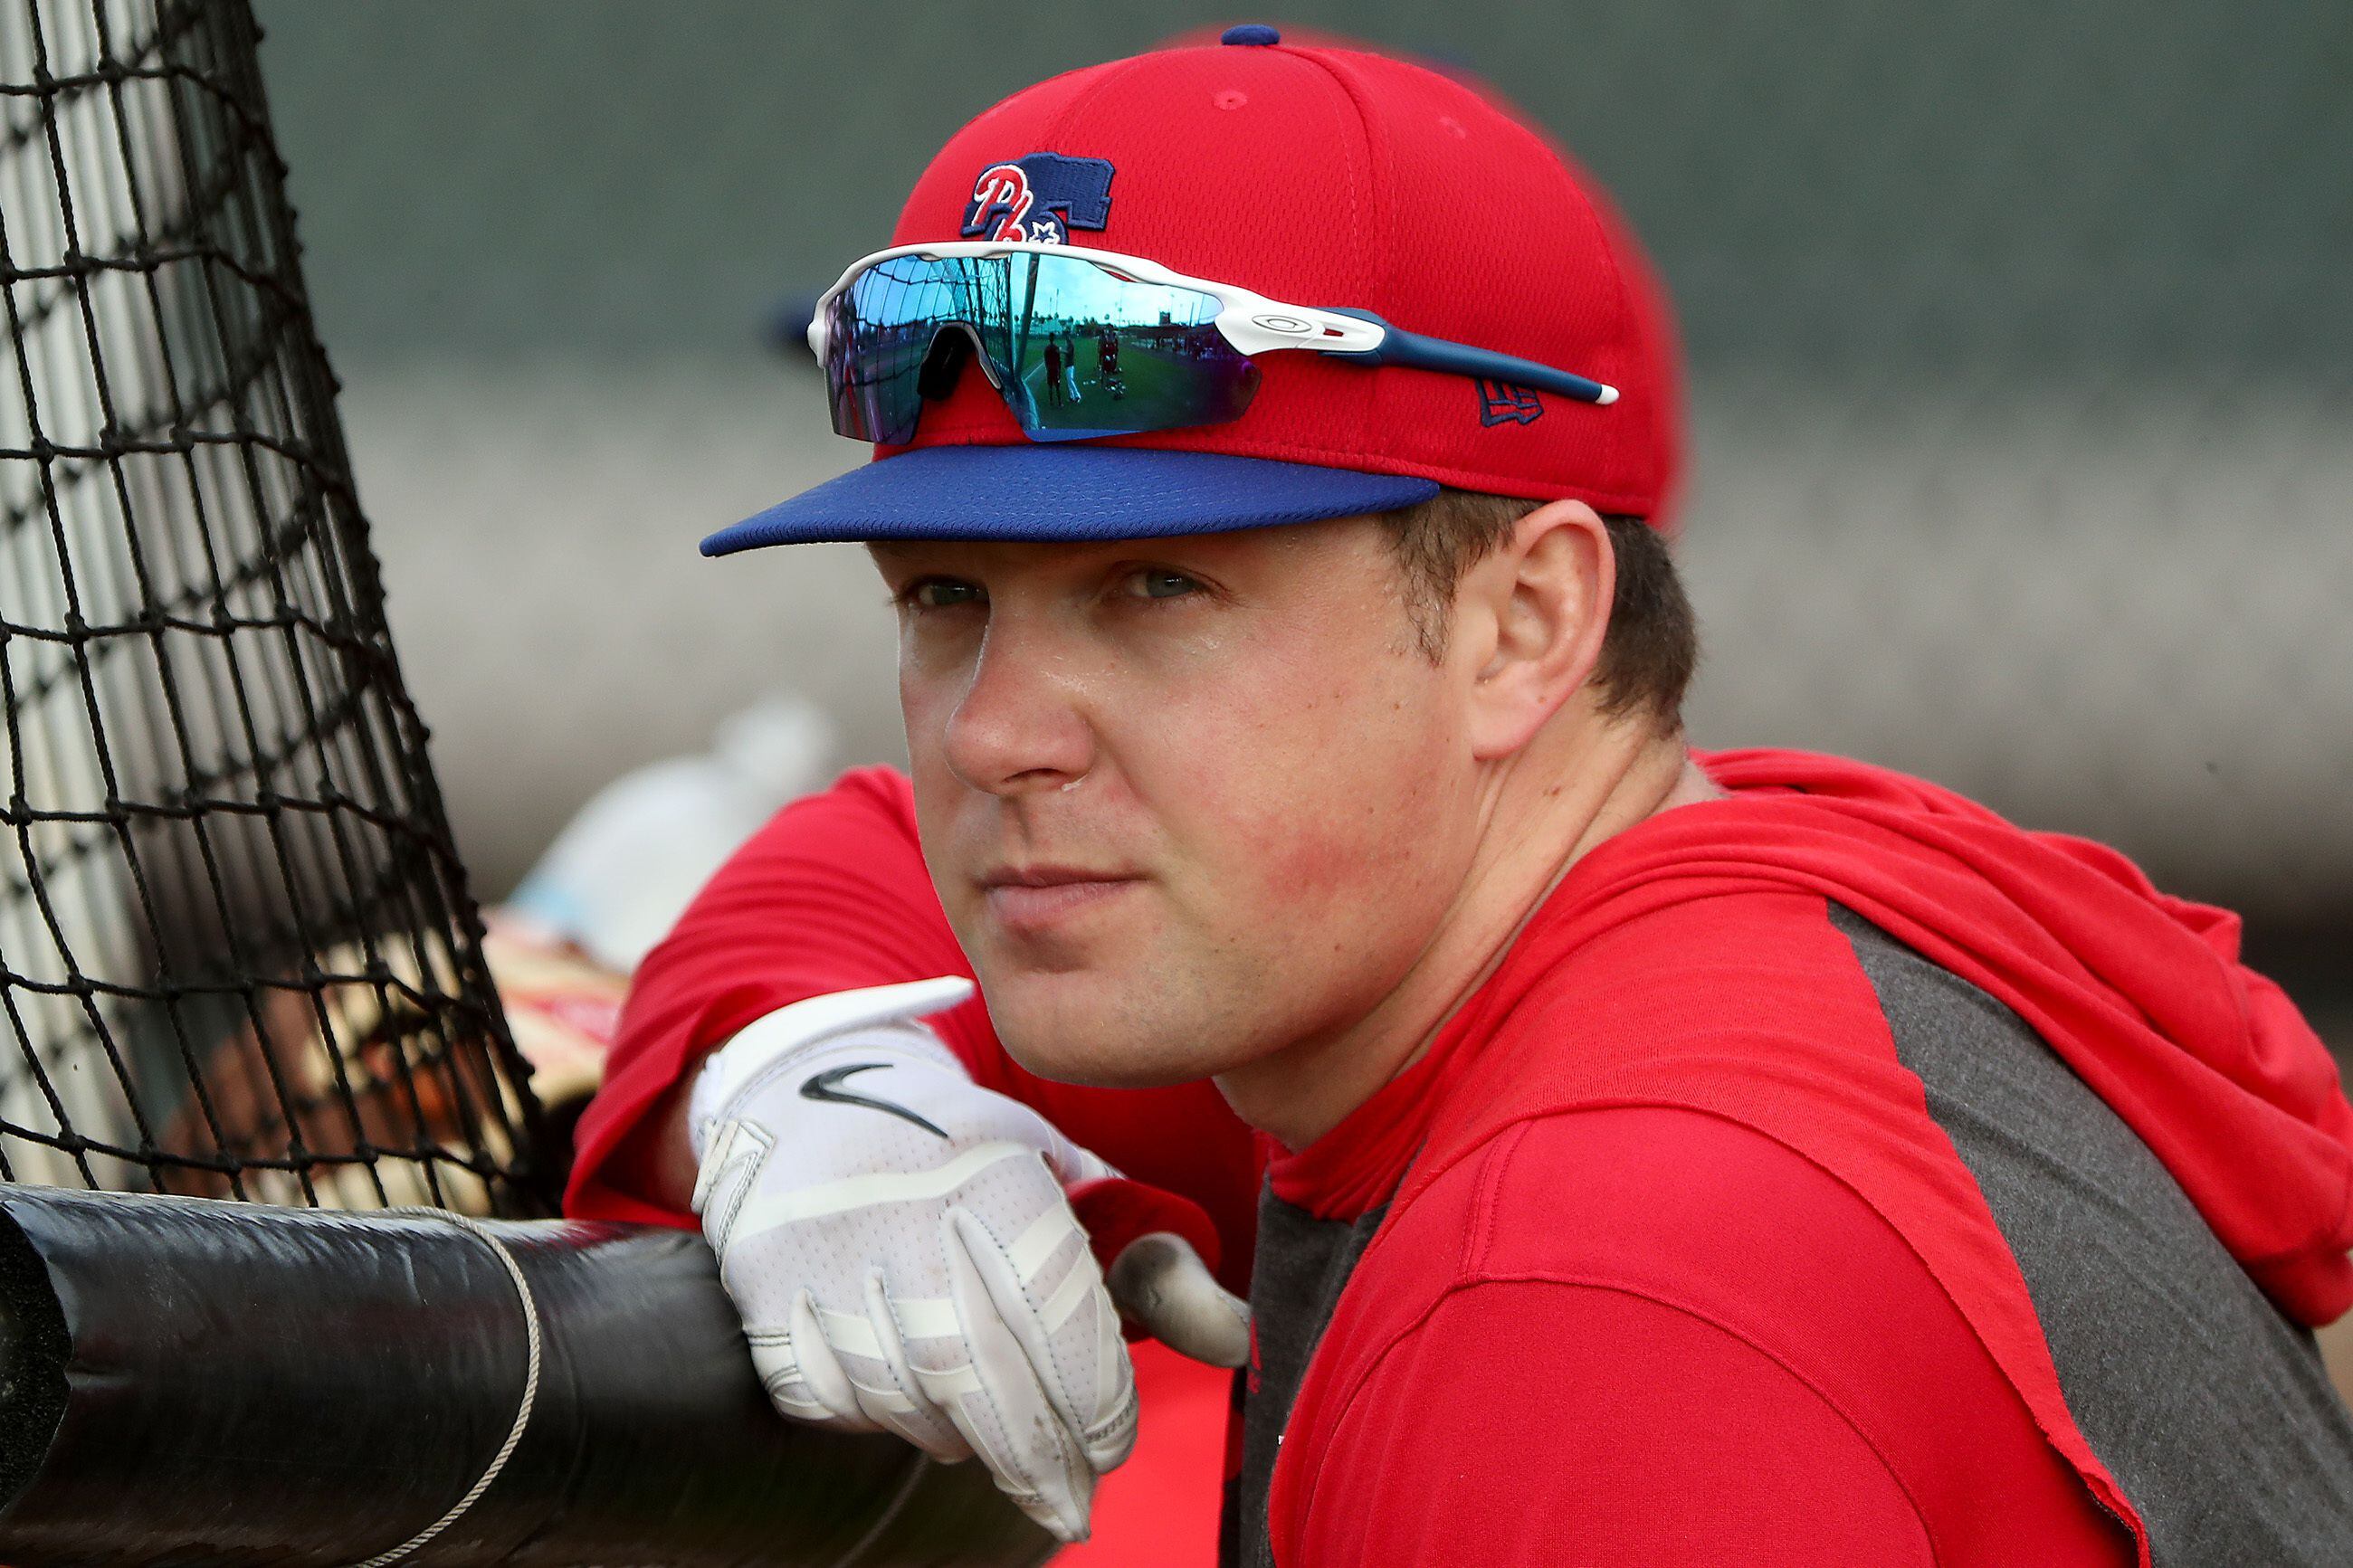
x: 2022, y: 344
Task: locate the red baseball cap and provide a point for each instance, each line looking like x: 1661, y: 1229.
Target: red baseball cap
x: 1335, y: 178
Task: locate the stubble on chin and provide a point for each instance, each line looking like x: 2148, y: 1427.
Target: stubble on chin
x: 1096, y: 1029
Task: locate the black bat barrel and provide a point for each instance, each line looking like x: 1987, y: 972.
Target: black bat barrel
x: 190, y: 1382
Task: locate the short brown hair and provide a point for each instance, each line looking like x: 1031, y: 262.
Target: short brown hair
x: 1651, y: 648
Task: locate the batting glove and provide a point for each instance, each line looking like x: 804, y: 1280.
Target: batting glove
x: 903, y: 1246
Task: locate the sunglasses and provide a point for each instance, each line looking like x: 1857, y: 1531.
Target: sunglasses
x: 1089, y: 342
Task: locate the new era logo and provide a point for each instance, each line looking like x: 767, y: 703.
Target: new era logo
x: 1501, y: 402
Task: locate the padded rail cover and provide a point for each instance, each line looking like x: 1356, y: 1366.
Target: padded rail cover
x: 185, y: 1382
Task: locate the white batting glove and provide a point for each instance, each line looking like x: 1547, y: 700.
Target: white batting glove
x: 899, y: 1245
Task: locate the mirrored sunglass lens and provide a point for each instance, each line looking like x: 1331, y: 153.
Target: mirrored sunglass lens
x: 869, y: 402
x: 1096, y: 355
x: 882, y: 329
x: 1076, y: 351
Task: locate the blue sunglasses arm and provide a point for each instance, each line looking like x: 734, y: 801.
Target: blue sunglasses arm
x: 1414, y: 351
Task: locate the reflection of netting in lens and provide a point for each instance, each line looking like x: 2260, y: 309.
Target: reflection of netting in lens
x: 902, y: 332
x: 237, y: 952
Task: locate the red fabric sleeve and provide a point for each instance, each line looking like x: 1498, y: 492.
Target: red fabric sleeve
x: 831, y: 895
x: 1547, y: 1424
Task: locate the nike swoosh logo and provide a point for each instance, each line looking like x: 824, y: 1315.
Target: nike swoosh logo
x: 822, y: 1087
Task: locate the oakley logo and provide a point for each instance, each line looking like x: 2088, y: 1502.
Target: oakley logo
x: 1039, y: 198
x: 1501, y: 402
x: 823, y: 1086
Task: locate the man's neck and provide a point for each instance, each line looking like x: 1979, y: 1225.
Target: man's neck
x: 1547, y: 810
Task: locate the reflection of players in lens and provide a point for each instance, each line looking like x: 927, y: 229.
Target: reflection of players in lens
x: 1070, y: 366
x: 1107, y: 360
x: 1053, y: 373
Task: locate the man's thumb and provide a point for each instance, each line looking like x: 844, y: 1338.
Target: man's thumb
x: 1160, y: 1283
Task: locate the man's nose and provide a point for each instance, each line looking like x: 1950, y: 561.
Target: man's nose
x: 1021, y: 724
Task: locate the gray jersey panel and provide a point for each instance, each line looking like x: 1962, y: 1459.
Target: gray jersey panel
x: 1302, y: 1266
x: 2209, y: 1407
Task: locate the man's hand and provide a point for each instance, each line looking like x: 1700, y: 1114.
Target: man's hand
x: 899, y: 1245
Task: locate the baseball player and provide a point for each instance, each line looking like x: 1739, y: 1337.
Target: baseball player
x: 1107, y: 360
x: 1631, y: 1154
x: 1055, y: 391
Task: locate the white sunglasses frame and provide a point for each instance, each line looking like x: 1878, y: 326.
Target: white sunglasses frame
x: 1250, y: 321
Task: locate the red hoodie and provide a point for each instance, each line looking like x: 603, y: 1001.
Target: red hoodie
x: 1672, y: 1190
x: 2141, y: 993
x: 1661, y: 1253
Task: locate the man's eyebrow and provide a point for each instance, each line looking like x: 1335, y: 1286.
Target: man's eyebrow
x: 889, y: 551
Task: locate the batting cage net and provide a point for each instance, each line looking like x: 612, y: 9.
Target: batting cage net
x: 237, y: 955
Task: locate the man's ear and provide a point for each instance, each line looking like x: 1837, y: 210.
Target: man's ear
x: 1541, y: 604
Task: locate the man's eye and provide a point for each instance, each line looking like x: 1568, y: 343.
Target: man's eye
x: 941, y: 594
x: 1156, y: 583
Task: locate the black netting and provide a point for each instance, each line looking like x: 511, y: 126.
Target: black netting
x: 237, y: 952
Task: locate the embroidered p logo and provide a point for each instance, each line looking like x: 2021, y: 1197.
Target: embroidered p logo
x: 1040, y: 198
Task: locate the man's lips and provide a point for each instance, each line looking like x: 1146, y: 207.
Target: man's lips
x: 1030, y: 898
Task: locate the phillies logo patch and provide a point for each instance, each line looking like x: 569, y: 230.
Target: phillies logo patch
x: 1040, y: 198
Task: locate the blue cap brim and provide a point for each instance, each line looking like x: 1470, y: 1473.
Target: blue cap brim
x: 1053, y: 491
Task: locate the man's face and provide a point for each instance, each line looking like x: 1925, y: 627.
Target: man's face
x: 1186, y: 801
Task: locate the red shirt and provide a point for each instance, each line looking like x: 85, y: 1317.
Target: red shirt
x: 1675, y: 1265
x: 1608, y: 1327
